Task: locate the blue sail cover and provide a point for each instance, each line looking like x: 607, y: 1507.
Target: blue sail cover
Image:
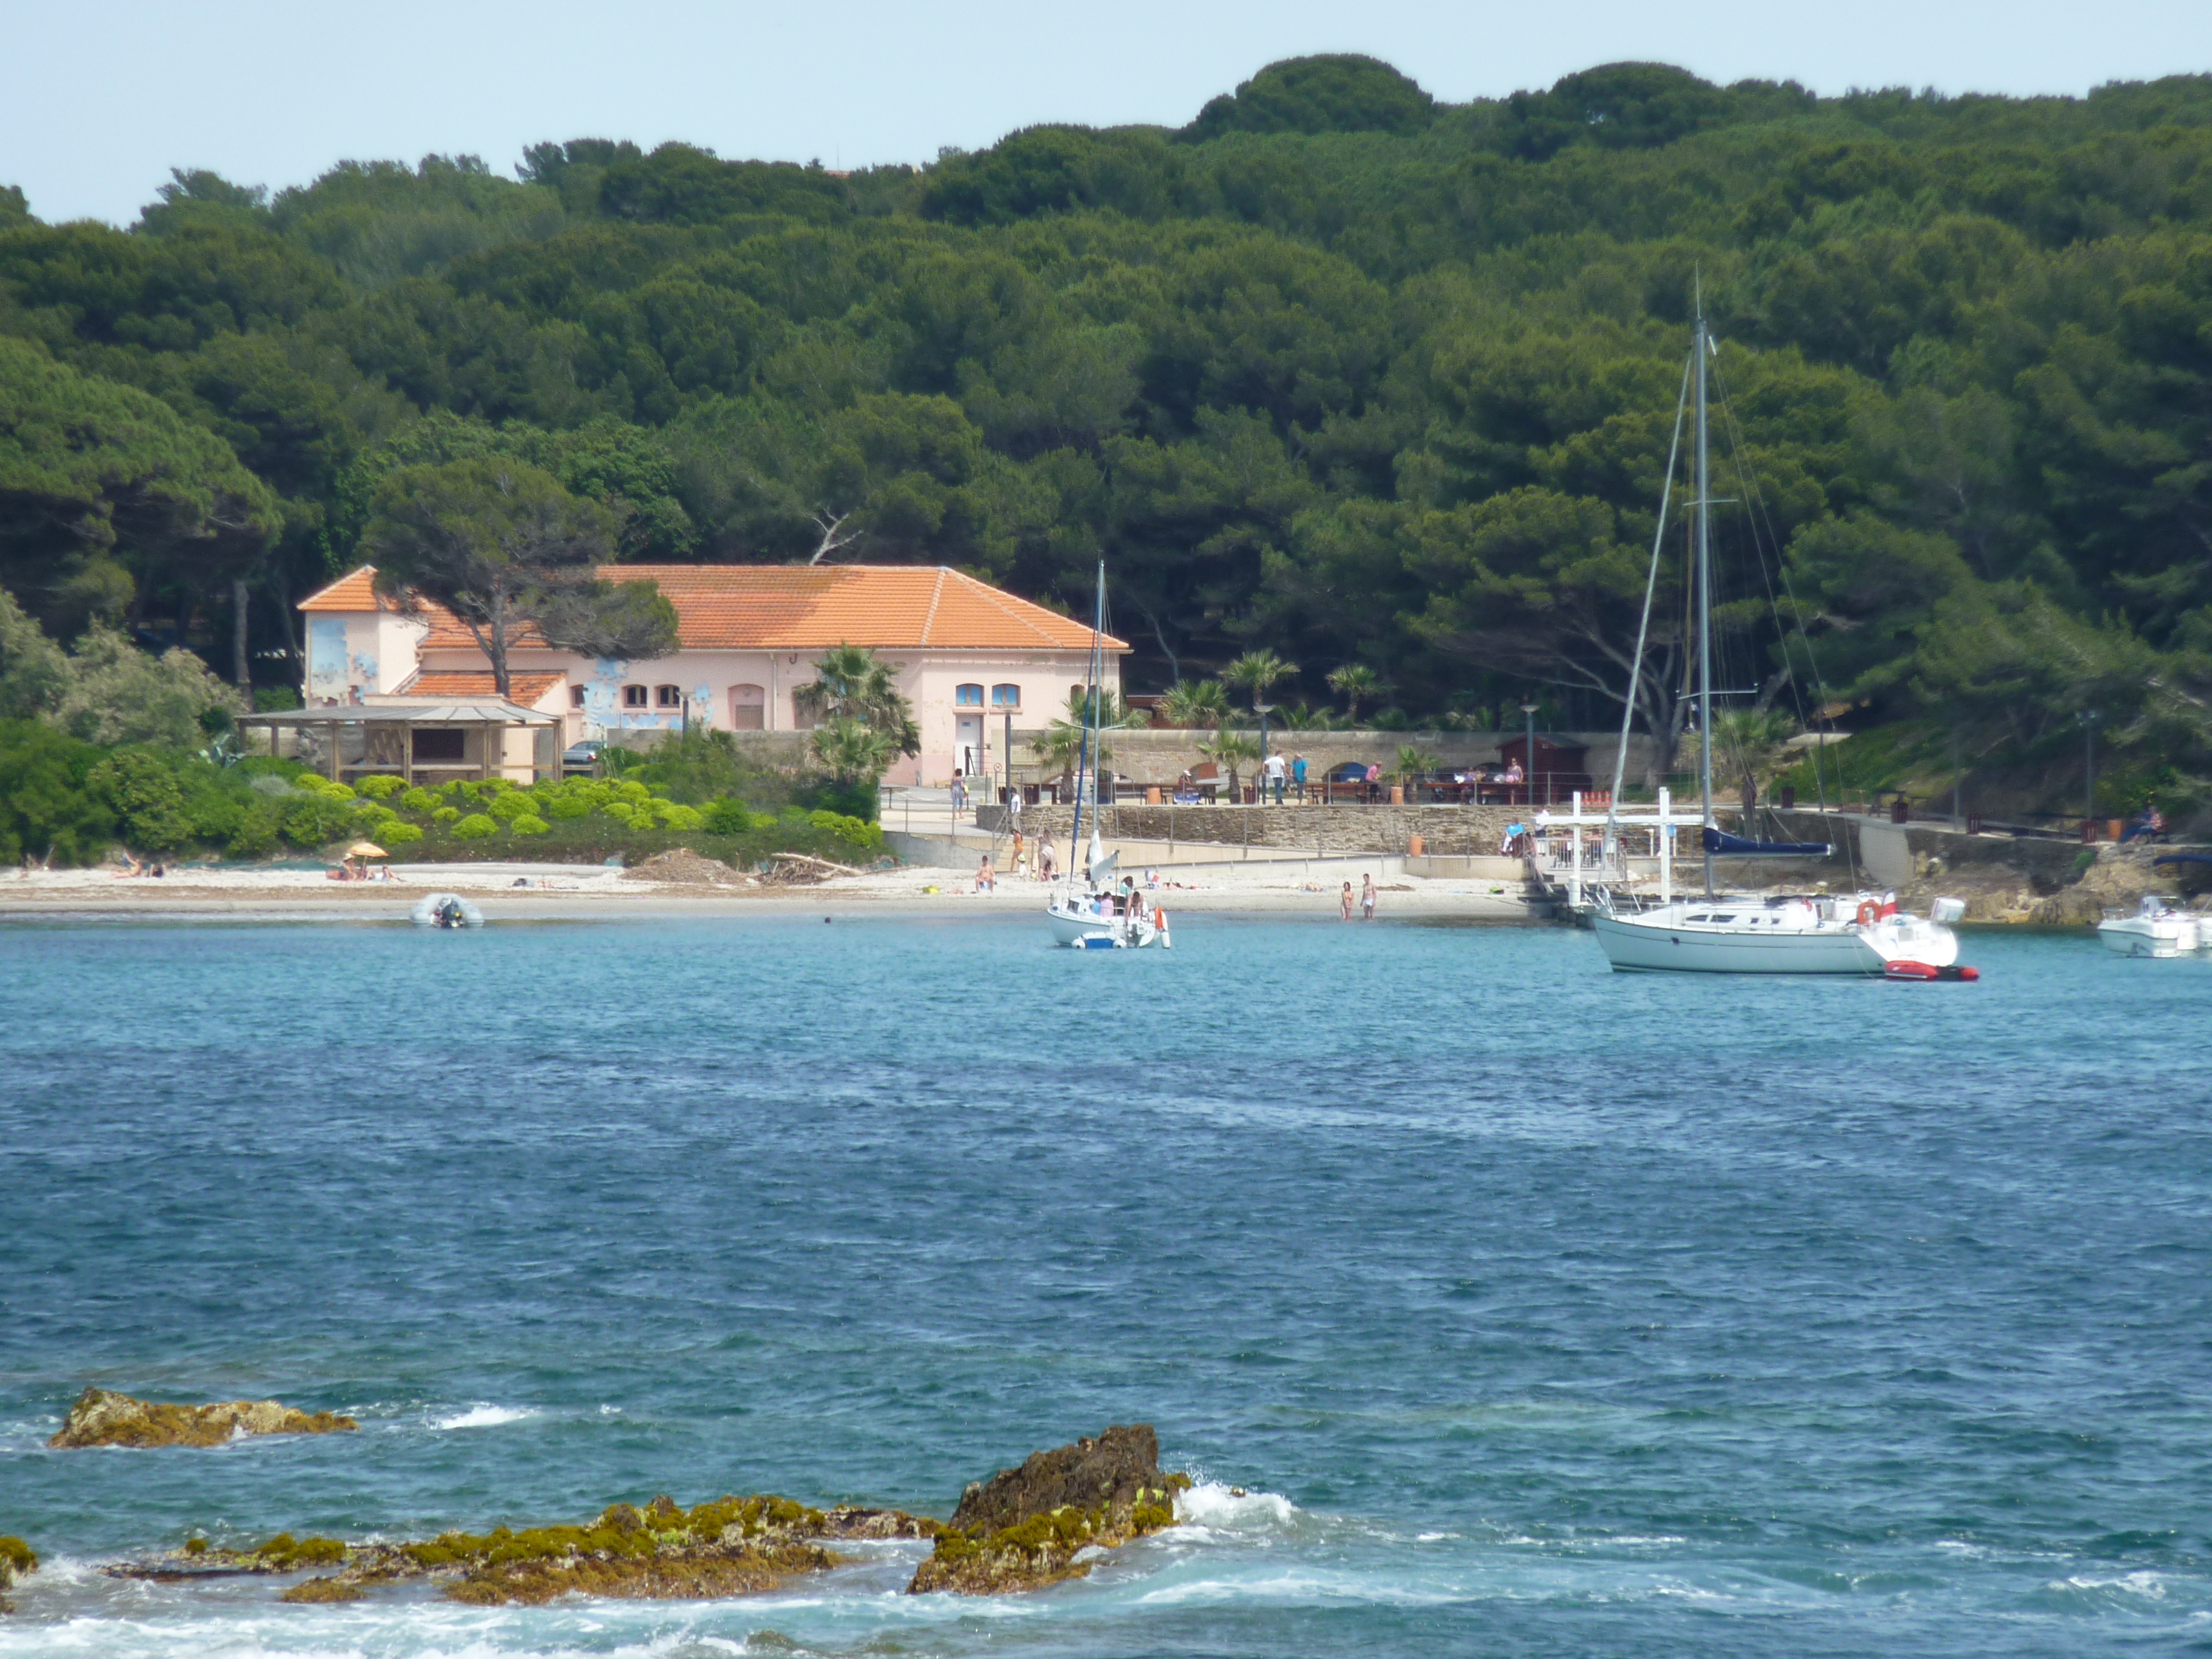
x: 1735, y: 846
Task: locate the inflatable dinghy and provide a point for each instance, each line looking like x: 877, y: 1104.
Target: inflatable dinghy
x: 446, y: 910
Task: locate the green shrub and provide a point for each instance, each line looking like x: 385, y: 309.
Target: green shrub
x: 400, y: 833
x: 419, y: 799
x: 510, y: 804
x: 494, y: 787
x: 530, y: 824
x: 567, y: 806
x: 259, y: 827
x: 445, y: 814
x: 475, y: 827
x: 316, y: 784
x: 378, y: 787
x: 314, y: 820
x: 732, y: 817
x: 143, y: 792
x: 676, y: 816
x: 620, y: 810
x: 216, y: 814
x: 632, y: 791
x: 858, y: 832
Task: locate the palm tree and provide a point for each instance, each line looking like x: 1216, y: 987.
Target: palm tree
x: 850, y: 683
x: 853, y: 750
x: 1060, y: 744
x: 1195, y: 703
x: 1748, y: 742
x: 1255, y: 672
x: 1227, y: 750
x: 1356, y: 683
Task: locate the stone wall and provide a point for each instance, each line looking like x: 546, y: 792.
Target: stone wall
x: 1161, y: 756
x: 1321, y: 830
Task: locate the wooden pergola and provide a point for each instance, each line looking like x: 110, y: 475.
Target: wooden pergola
x: 357, y: 740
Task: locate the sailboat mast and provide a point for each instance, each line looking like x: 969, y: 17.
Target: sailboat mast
x: 1704, y: 606
x: 1092, y: 671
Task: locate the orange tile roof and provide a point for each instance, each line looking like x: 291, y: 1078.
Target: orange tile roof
x: 789, y: 607
x: 464, y: 682
x: 355, y: 591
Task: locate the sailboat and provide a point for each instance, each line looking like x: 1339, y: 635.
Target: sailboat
x: 1085, y: 911
x: 1865, y: 933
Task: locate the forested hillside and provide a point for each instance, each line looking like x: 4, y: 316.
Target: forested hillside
x: 1335, y: 370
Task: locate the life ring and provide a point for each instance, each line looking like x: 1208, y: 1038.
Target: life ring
x: 1869, y: 913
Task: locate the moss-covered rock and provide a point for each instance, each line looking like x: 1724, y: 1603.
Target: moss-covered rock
x: 313, y: 1590
x: 728, y: 1547
x: 17, y: 1560
x: 1023, y: 1529
x: 101, y: 1418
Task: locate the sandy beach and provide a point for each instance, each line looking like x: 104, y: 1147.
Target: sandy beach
x: 557, y: 892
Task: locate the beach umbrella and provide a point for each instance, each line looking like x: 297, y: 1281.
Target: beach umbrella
x: 365, y: 849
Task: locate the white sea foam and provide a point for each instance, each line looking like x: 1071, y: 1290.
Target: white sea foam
x: 1232, y: 1509
x: 483, y: 1415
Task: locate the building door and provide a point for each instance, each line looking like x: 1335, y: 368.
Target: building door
x: 967, y: 743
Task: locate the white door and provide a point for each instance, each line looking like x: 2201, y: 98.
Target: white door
x: 968, y: 744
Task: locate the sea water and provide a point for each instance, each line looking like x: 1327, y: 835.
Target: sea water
x: 1533, y: 1308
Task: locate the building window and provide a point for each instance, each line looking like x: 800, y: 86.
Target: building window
x: 1005, y: 696
x: 968, y: 696
x: 634, y: 696
x: 748, y: 709
x: 575, y: 697
x: 668, y: 697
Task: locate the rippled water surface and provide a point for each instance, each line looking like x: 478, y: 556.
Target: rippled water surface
x: 1539, y: 1310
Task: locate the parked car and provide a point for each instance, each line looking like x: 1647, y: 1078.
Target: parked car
x: 581, y: 759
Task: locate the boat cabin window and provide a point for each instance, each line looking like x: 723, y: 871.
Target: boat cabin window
x: 1697, y: 918
x: 1727, y: 918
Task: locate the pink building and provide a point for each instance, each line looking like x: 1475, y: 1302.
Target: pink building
x: 967, y: 655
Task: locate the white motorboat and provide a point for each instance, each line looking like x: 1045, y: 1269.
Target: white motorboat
x: 2156, y: 929
x: 1087, y: 912
x: 1863, y: 934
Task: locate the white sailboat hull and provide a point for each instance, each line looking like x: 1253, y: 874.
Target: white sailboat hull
x: 1077, y: 928
x: 1756, y: 938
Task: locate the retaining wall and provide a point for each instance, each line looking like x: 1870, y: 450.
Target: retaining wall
x: 1321, y: 830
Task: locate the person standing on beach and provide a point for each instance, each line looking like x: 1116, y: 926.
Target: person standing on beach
x: 1347, y: 901
x: 1298, y: 776
x: 1275, y: 776
x: 959, y: 792
x: 1366, y: 898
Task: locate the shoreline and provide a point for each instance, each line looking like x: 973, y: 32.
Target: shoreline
x: 574, y: 893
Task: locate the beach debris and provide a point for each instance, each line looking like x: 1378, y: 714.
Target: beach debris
x: 17, y: 1560
x: 800, y: 870
x: 101, y: 1418
x: 684, y: 867
x: 1026, y: 1527
x: 729, y: 1547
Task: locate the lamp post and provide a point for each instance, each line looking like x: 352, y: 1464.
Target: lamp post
x: 1528, y: 711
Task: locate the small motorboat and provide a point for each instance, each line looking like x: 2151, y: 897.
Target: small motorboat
x: 444, y: 910
x: 2156, y: 929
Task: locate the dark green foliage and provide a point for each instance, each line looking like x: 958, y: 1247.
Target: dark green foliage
x: 1331, y: 93
x: 1333, y: 371
x: 48, y: 808
x: 141, y: 789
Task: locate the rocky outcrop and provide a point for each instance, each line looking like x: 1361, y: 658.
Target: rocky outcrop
x: 17, y: 1560
x: 731, y: 1547
x: 1025, y: 1527
x: 101, y: 1418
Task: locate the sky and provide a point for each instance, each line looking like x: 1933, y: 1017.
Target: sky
x: 105, y: 96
